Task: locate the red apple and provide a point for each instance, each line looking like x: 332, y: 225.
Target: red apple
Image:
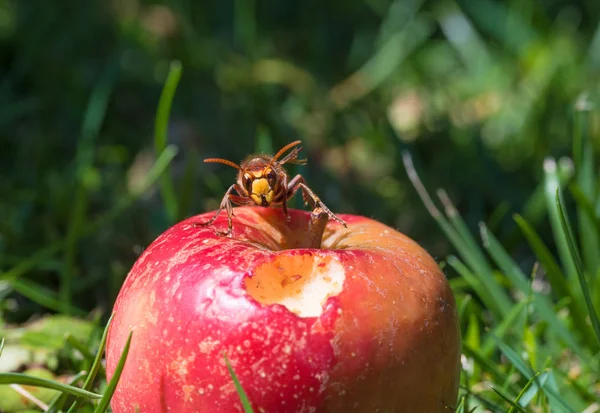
x: 366, y: 323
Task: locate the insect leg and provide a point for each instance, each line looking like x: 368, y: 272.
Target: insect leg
x: 293, y: 187
x: 225, y: 205
x: 292, y: 157
x: 284, y: 198
x: 309, y: 196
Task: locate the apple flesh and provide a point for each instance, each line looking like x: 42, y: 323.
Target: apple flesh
x: 366, y: 323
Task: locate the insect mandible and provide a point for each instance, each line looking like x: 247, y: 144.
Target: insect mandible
x: 263, y: 181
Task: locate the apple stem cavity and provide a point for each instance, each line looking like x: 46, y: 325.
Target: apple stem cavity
x: 316, y: 227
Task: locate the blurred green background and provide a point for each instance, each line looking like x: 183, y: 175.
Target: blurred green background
x: 479, y: 92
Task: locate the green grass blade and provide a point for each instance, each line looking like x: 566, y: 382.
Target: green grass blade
x: 24, y: 379
x: 507, y: 399
x: 541, y: 303
x: 585, y: 207
x: 95, y: 367
x: 522, y: 392
x: 487, y: 288
x: 472, y: 338
x: 245, y: 25
x: 97, y: 363
x: 1, y: 346
x: 552, y: 185
x: 497, y: 216
x: 585, y: 392
x: 153, y: 174
x: 548, y: 385
x: 58, y: 403
x: 44, y: 297
x: 490, y: 405
x: 556, y: 401
x: 463, y: 231
x: 161, y: 130
x: 553, y: 271
x: 188, y: 187
x: 112, y: 384
x: 489, y: 345
x: 460, y: 408
x: 240, y: 390
x: 556, y: 278
x: 471, y: 279
x: 583, y: 157
x: 382, y: 63
x: 514, y: 358
x: 476, y: 256
x: 92, y: 122
x: 486, y: 364
x: 534, y: 210
x: 80, y: 347
x: 78, y: 212
x: 464, y: 307
x: 505, y: 263
x: 527, y: 372
x: 578, y: 265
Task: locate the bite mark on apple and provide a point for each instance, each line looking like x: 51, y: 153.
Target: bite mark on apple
x: 302, y: 283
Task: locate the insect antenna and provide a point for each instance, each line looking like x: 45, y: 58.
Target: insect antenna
x: 224, y: 161
x: 285, y: 148
x: 291, y: 157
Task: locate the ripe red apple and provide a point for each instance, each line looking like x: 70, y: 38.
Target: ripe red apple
x: 367, y: 323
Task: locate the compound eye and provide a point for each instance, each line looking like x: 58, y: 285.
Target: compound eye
x: 271, y: 177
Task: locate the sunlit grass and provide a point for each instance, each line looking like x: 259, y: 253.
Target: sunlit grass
x: 525, y: 336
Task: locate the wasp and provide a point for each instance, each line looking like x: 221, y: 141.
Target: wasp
x: 263, y: 181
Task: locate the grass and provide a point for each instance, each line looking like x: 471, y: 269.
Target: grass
x: 539, y: 348
x: 246, y: 404
x: 493, y: 101
x: 84, y: 396
x: 61, y: 401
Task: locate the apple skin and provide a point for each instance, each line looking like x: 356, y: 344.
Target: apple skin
x: 377, y: 332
